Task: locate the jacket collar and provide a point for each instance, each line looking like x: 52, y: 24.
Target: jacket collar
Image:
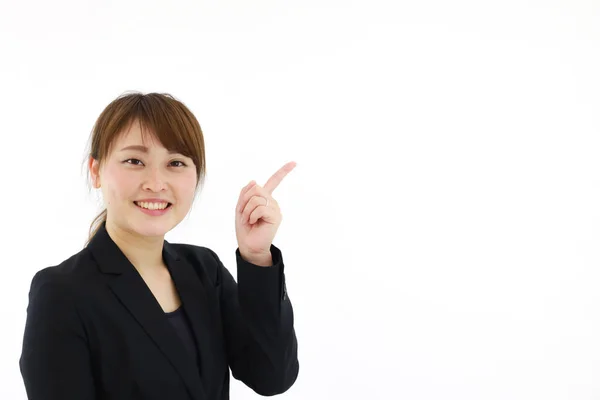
x: 111, y: 259
x: 135, y: 295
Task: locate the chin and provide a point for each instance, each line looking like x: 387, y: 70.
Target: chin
x: 152, y: 228
x: 148, y: 225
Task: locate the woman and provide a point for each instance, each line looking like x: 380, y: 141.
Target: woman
x: 132, y: 316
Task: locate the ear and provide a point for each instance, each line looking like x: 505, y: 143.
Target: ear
x: 94, y: 167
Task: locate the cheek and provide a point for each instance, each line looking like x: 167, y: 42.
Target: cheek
x: 187, y: 187
x: 120, y: 184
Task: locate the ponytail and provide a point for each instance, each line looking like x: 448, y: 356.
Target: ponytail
x: 96, y: 224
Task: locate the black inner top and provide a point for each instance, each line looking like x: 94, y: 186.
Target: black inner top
x: 181, y: 324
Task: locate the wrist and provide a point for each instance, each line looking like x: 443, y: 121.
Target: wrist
x: 259, y: 259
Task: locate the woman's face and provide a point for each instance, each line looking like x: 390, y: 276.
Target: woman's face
x: 134, y: 172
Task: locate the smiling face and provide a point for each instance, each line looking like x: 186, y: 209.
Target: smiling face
x: 137, y: 172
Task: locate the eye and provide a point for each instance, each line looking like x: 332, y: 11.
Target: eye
x: 134, y: 161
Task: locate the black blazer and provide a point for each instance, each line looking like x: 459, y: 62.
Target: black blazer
x: 95, y: 331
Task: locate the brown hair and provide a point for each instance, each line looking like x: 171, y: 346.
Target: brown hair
x: 169, y: 119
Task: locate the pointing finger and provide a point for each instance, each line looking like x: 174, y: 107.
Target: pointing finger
x: 278, y: 176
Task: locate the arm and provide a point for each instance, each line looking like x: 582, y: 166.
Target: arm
x: 55, y: 360
x: 258, y: 322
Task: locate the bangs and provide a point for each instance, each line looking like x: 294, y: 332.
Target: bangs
x: 161, y: 118
x: 166, y: 135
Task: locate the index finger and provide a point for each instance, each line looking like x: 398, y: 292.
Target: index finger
x: 278, y: 176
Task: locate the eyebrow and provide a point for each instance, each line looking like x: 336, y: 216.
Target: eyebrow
x: 144, y: 149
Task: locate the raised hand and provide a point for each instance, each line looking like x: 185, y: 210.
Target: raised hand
x: 257, y: 218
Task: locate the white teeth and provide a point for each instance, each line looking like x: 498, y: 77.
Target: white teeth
x: 152, y: 206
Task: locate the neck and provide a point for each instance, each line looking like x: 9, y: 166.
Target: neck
x: 144, y: 252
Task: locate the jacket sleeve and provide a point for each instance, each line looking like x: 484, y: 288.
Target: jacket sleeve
x: 55, y: 360
x: 258, y: 323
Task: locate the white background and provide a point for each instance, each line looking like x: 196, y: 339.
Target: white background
x: 440, y: 231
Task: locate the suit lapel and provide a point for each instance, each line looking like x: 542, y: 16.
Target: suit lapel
x: 135, y: 295
x: 197, y: 304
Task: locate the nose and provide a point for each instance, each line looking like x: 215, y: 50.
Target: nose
x: 154, y: 180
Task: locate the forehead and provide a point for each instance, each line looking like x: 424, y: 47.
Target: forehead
x: 135, y: 135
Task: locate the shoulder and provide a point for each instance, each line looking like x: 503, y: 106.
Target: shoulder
x: 202, y: 258
x: 65, y: 277
x: 192, y: 252
x: 56, y: 290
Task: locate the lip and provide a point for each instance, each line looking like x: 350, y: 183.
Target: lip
x: 154, y: 212
x: 153, y: 201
